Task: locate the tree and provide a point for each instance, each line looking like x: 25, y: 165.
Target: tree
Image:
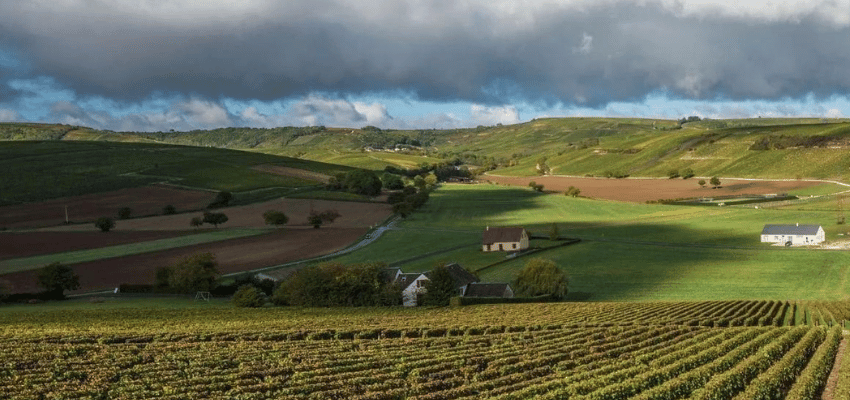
x: 196, y: 222
x: 169, y: 210
x: 439, y: 288
x: 276, y: 218
x: 215, y: 218
x: 222, y: 199
x: 715, y: 181
x: 572, y: 191
x: 318, y: 218
x: 430, y: 181
x: 392, y: 181
x: 249, y: 296
x: 701, y: 182
x: 403, y: 209
x: 541, y: 167
x: 56, y: 278
x: 534, y: 185
x: 194, y: 273
x: 553, y: 232
x: 673, y: 173
x: 124, y: 213
x: 687, y: 173
x: 104, y: 224
x: 363, y: 182
x: 540, y: 277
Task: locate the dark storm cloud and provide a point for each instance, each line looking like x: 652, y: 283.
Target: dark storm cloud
x: 586, y: 56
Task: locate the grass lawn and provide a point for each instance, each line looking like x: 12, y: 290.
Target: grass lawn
x: 73, y: 257
x: 630, y: 251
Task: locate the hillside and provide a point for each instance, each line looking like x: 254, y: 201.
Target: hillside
x: 774, y: 148
x: 40, y: 170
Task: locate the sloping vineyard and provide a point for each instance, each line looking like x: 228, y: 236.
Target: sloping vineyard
x: 710, y: 350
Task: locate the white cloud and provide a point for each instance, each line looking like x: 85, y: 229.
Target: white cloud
x: 834, y: 113
x: 7, y: 115
x: 586, y: 44
x: 204, y: 113
x: 481, y: 115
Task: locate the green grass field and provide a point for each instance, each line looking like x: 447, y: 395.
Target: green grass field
x: 629, y: 252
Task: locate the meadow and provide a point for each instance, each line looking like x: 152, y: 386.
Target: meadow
x: 628, y: 251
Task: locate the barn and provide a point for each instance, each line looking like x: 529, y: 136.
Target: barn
x: 793, y: 235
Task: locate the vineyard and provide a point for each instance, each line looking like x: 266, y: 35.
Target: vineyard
x: 698, y: 350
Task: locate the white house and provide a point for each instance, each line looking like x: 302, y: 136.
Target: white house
x: 793, y: 235
x: 504, y: 239
x: 413, y: 285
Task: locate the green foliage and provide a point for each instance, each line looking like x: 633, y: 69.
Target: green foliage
x: 105, y: 224
x: 214, y: 218
x: 360, y: 181
x: 439, y: 288
x: 222, y: 199
x: 673, y: 173
x: 198, y: 272
x: 553, y: 232
x: 125, y: 212
x: 317, y: 219
x: 715, y: 181
x: 535, y: 186
x: 572, y: 191
x: 274, y: 217
x: 248, y: 296
x: 162, y: 278
x: 541, y: 277
x: 334, y: 284
x: 392, y: 181
x: 701, y: 182
x: 56, y: 278
x: 687, y: 173
x: 5, y: 289
x: 169, y: 210
x: 196, y: 221
x: 813, y: 379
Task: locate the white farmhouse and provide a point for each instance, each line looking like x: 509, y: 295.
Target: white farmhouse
x: 504, y: 239
x: 793, y: 235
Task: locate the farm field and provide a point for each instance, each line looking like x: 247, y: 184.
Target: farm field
x: 629, y: 251
x: 642, y: 190
x: 586, y: 351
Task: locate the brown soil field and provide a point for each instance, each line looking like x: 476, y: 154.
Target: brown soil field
x: 642, y: 190
x: 293, y: 172
x: 25, y: 244
x: 353, y: 215
x: 148, y: 200
x: 242, y: 254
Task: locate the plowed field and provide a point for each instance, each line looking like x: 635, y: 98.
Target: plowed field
x: 642, y: 190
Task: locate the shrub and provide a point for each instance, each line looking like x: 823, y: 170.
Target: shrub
x: 197, y: 272
x: 104, y: 224
x: 274, y: 217
x: 169, y: 210
x: 55, y: 278
x: 124, y: 212
x: 248, y: 296
x: 222, y: 199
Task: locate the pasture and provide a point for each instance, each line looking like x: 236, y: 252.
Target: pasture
x: 629, y: 251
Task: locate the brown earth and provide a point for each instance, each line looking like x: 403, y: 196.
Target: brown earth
x: 148, y: 200
x: 293, y: 172
x: 642, y: 190
x: 234, y: 255
x: 25, y: 244
x: 353, y: 215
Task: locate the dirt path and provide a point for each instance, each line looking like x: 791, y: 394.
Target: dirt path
x: 829, y: 389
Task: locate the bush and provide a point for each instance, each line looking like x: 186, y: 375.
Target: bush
x: 274, y: 217
x: 124, y: 213
x: 541, y: 277
x: 196, y: 222
x: 572, y: 191
x: 104, y: 224
x: 169, y: 210
x: 214, y: 218
x: 249, y: 296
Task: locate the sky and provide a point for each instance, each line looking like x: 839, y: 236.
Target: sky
x: 156, y: 65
